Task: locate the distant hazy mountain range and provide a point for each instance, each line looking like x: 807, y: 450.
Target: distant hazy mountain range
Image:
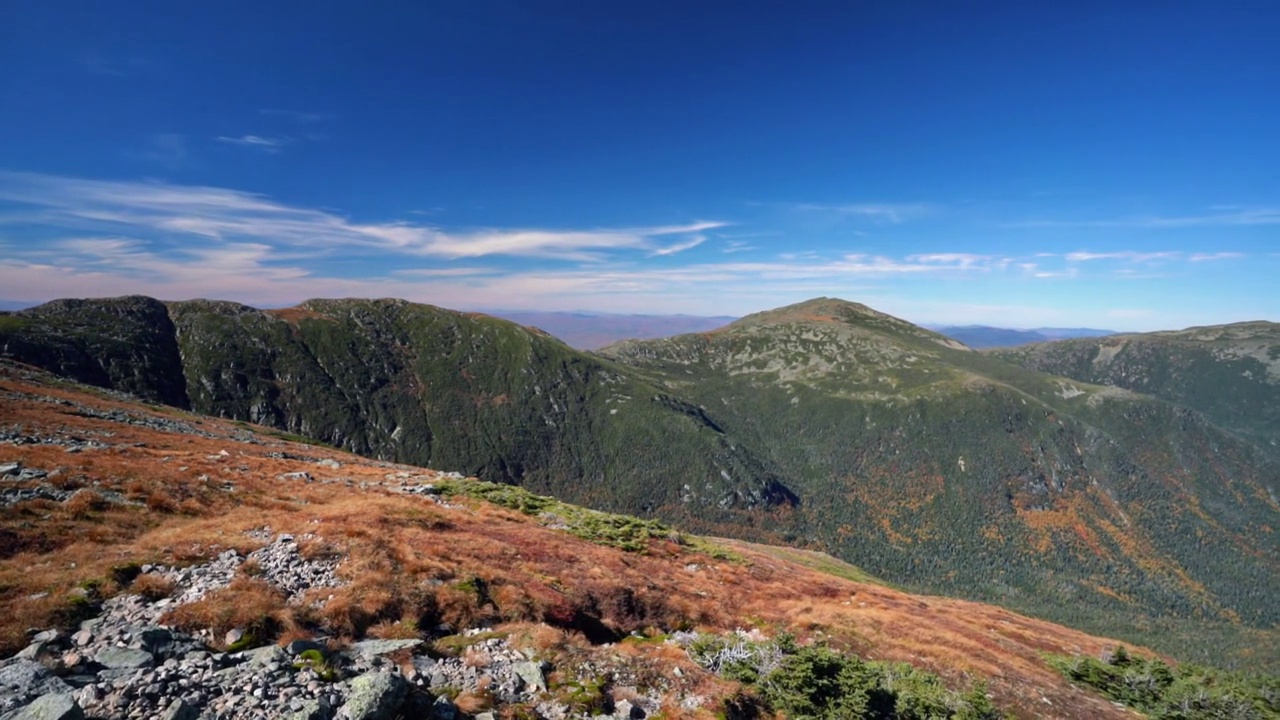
x: 592, y: 331
x: 985, y: 336
x: 587, y: 331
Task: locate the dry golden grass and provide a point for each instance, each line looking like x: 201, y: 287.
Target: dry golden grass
x: 476, y: 701
x: 410, y: 564
x: 152, y: 586
x: 247, y: 603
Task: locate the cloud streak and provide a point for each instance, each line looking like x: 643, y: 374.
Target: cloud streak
x: 266, y: 144
x: 1125, y: 255
x: 881, y: 212
x: 1225, y: 216
x: 97, y: 237
x: 221, y: 215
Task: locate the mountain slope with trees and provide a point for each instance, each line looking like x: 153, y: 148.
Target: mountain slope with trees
x: 825, y: 425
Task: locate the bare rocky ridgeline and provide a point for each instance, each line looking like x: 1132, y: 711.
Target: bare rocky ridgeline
x: 123, y: 663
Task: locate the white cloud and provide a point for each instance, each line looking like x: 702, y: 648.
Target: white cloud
x: 268, y: 144
x: 1125, y: 255
x: 680, y: 247
x: 882, y: 212
x: 222, y: 215
x: 960, y: 260
x: 1230, y: 215
x: 1205, y: 257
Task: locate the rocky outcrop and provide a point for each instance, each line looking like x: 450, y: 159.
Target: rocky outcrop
x: 123, y: 664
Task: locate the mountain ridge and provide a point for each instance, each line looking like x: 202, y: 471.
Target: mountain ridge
x: 825, y: 424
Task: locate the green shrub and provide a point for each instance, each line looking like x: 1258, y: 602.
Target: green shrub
x: 817, y: 682
x: 1187, y: 692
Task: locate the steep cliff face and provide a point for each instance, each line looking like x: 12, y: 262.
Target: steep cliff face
x: 124, y: 343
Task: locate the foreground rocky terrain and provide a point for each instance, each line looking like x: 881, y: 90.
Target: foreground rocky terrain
x: 154, y: 563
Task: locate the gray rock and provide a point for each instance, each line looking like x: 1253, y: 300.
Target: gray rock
x: 10, y: 468
x: 310, y: 709
x: 233, y: 636
x: 421, y: 667
x: 114, y: 658
x: 531, y: 674
x: 485, y: 716
x: 375, y: 648
x: 55, y: 706
x: 443, y: 709
x: 35, y: 650
x: 266, y: 655
x: 179, y: 710
x: 29, y: 677
x: 374, y: 696
x: 624, y: 709
x: 49, y: 636
x: 297, y: 647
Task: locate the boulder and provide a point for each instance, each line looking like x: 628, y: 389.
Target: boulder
x: 374, y: 696
x: 54, y: 706
x: 297, y: 647
x: 312, y: 709
x: 531, y: 673
x: 19, y: 675
x: 115, y: 658
x: 180, y: 710
x: 376, y: 648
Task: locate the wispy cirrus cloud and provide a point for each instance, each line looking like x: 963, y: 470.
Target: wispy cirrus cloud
x: 259, y: 142
x: 1217, y: 216
x: 62, y: 235
x: 680, y: 247
x: 223, y: 215
x: 880, y: 212
x: 1210, y: 256
x: 1125, y: 255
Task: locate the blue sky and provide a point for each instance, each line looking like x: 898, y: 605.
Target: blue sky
x: 1102, y: 164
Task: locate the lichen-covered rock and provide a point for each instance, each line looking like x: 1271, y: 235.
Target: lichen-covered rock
x: 114, y: 658
x: 374, y: 696
x: 22, y: 679
x: 180, y: 710
x: 531, y: 674
x: 55, y: 706
x: 375, y: 648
